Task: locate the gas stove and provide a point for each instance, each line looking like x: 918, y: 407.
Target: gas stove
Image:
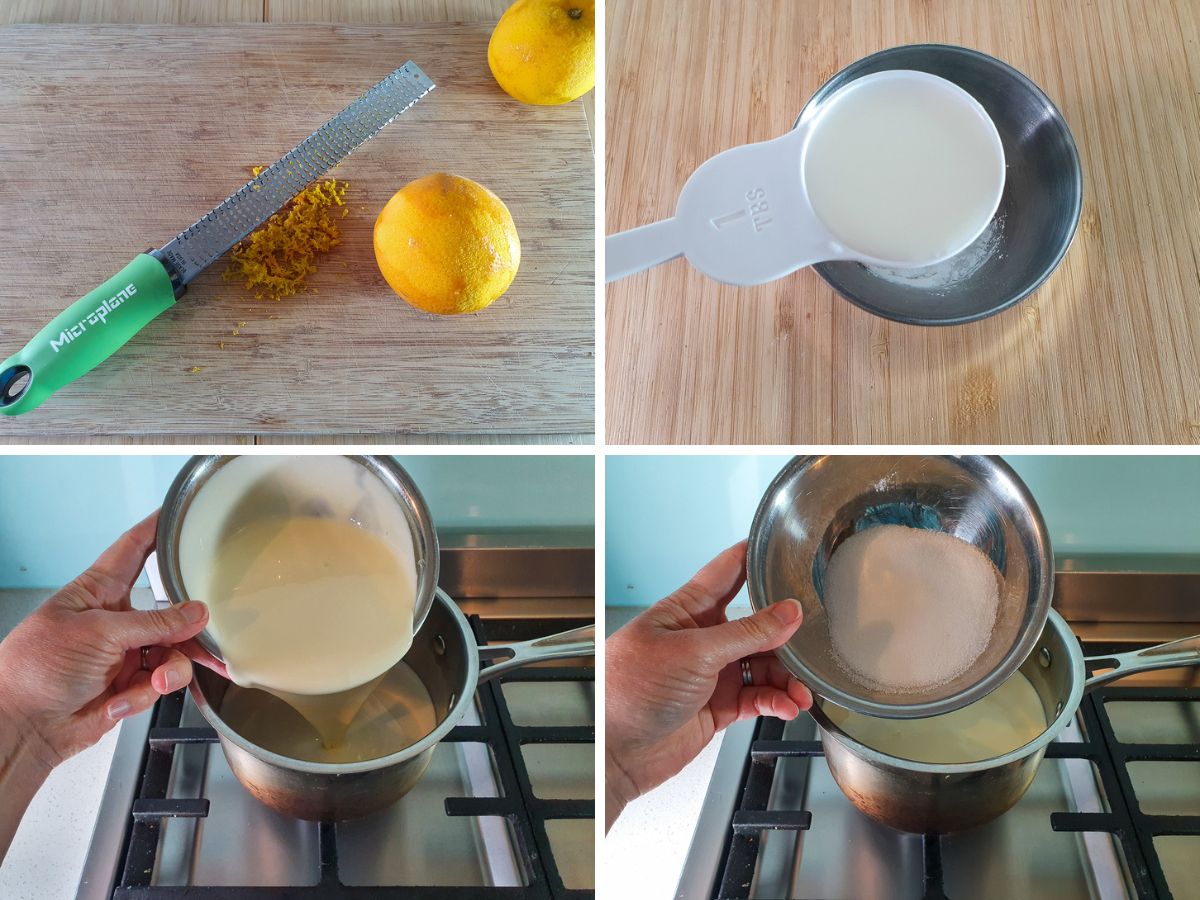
x: 506, y: 808
x: 1113, y: 812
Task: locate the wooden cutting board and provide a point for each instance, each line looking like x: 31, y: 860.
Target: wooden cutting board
x: 114, y: 138
x: 1107, y: 351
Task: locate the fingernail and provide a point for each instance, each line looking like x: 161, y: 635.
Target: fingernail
x: 786, y: 611
x: 118, y: 709
x: 172, y: 680
x: 193, y: 611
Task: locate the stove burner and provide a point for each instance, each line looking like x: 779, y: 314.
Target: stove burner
x: 525, y: 813
x: 1134, y: 829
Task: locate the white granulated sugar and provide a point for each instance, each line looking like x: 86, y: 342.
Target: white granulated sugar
x: 909, y: 609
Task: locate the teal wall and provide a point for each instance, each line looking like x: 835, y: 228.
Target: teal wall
x: 665, y: 516
x: 1117, y: 504
x: 57, y: 513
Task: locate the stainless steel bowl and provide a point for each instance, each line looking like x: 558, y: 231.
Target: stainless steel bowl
x: 816, y: 502
x: 199, y: 469
x: 1038, y: 213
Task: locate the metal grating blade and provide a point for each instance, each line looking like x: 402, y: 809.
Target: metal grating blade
x: 199, y: 246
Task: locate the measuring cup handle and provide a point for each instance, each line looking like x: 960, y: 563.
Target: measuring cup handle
x: 565, y: 645
x: 632, y: 251
x: 1183, y: 652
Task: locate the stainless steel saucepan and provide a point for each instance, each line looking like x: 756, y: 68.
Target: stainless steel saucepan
x: 445, y: 657
x: 931, y: 798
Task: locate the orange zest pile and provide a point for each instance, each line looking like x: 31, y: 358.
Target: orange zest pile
x: 275, y: 260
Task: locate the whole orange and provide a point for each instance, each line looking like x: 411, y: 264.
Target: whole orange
x: 447, y: 245
x: 544, y: 51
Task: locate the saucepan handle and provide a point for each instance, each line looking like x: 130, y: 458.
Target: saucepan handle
x: 568, y: 644
x: 1183, y: 652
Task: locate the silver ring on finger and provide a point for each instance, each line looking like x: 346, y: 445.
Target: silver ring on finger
x: 747, y: 677
x: 145, y: 659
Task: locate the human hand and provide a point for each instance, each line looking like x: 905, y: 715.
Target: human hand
x: 74, y: 667
x: 673, y: 678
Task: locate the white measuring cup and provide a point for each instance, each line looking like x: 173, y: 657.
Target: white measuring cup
x: 745, y: 216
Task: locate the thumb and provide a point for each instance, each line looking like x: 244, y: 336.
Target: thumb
x: 130, y: 629
x: 765, y: 630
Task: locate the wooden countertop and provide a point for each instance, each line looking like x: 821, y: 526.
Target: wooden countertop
x: 1107, y: 351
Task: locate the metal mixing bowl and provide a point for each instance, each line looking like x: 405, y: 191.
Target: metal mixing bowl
x: 1038, y: 213
x: 817, y: 502
x: 199, y: 469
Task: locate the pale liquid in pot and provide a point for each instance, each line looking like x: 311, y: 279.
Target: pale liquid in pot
x: 397, y: 714
x: 314, y: 610
x: 1006, y: 719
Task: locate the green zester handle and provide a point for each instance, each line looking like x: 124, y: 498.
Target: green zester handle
x: 88, y: 332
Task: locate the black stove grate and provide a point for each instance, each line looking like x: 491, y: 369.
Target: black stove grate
x: 1134, y: 829
x: 525, y: 813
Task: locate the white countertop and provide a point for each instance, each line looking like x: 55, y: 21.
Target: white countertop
x: 645, y: 851
x: 48, y: 851
x: 646, y: 848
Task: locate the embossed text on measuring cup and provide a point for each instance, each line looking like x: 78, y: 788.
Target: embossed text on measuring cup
x: 757, y: 209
